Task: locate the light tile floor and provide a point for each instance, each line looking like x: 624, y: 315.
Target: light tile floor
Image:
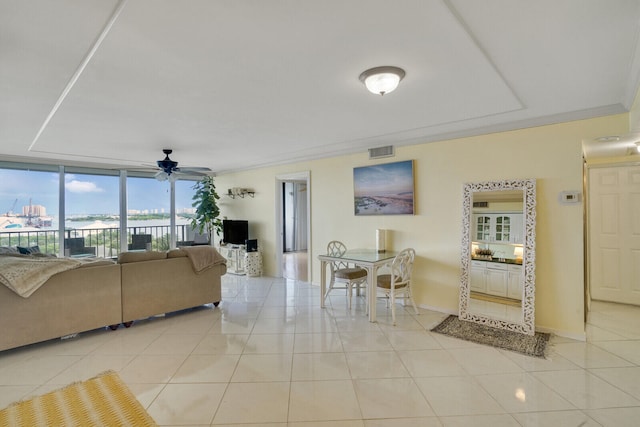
x: 295, y: 265
x: 269, y: 356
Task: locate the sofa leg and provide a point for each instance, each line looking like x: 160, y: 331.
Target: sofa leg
x: 217, y: 303
x: 127, y: 324
x: 113, y: 327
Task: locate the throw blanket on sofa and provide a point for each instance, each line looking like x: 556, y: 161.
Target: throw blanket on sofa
x: 25, y: 274
x: 203, y: 257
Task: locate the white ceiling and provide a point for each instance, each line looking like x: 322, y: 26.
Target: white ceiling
x: 239, y: 84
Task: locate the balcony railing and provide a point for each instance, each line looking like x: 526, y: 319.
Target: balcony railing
x: 102, y: 242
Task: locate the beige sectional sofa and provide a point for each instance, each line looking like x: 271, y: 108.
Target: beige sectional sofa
x: 165, y: 282
x: 90, y: 297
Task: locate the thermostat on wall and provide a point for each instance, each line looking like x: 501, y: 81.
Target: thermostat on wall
x: 569, y: 197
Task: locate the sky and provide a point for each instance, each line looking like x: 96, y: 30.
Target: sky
x: 87, y: 194
x: 386, y: 178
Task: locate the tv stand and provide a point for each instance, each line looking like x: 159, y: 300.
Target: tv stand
x: 235, y: 258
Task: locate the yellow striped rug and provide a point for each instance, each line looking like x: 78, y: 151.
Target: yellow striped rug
x: 101, y: 401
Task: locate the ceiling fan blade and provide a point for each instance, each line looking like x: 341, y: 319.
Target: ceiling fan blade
x: 194, y: 169
x: 188, y: 172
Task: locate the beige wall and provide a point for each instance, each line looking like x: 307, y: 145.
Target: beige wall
x: 551, y: 154
x: 634, y: 114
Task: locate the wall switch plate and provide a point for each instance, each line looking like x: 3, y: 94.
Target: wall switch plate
x: 570, y: 197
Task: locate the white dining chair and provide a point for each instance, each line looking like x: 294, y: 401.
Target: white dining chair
x: 397, y: 283
x: 343, y: 272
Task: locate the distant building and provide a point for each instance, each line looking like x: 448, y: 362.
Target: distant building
x: 34, y: 210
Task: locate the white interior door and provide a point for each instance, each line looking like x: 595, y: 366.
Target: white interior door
x: 614, y: 233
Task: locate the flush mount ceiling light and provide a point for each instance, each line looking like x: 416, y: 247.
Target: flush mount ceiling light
x: 381, y: 80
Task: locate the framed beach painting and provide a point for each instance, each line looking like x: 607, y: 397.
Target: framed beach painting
x: 385, y: 189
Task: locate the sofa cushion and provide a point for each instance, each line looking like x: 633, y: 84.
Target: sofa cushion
x: 125, y: 257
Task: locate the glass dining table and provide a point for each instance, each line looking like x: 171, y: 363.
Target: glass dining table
x: 370, y: 260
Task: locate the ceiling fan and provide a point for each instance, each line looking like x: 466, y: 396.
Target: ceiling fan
x: 169, y: 169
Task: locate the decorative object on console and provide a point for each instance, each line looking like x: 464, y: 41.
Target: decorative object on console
x: 251, y: 245
x: 483, y: 254
x: 381, y: 240
x: 518, y: 252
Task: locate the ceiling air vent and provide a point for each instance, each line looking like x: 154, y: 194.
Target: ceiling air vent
x: 377, y: 153
x: 480, y: 204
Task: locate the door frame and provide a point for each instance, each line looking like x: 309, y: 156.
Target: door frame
x: 304, y: 176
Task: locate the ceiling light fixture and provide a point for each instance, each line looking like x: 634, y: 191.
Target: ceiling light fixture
x: 609, y: 138
x: 167, y: 165
x: 381, y: 80
x: 638, y: 146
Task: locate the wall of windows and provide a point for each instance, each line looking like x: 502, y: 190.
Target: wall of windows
x: 91, y: 211
x: 83, y: 217
x: 149, y: 213
x: 29, y: 200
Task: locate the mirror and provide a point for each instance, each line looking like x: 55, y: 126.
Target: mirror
x: 497, y: 286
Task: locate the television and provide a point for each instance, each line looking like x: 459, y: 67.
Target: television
x: 235, y: 232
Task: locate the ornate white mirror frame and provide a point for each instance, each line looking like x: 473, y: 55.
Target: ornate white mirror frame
x: 528, y: 186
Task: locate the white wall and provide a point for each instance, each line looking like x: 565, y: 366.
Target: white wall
x: 551, y: 154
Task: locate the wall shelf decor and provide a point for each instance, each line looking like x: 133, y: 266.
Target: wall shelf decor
x: 240, y: 192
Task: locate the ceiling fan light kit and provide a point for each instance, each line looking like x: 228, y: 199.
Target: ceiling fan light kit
x: 168, y: 167
x: 382, y: 80
x: 164, y: 176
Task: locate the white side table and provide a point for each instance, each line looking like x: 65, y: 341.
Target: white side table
x: 253, y: 264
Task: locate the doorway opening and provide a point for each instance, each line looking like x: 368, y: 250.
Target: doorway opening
x: 294, y: 235
x: 293, y: 226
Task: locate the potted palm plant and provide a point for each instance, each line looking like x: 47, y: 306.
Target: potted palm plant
x: 207, y: 214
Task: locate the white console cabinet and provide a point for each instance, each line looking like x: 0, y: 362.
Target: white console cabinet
x: 503, y: 280
x: 489, y: 278
x: 478, y: 279
x: 235, y: 258
x: 516, y: 282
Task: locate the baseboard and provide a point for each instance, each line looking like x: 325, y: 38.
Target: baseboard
x: 564, y: 334
x: 438, y: 309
